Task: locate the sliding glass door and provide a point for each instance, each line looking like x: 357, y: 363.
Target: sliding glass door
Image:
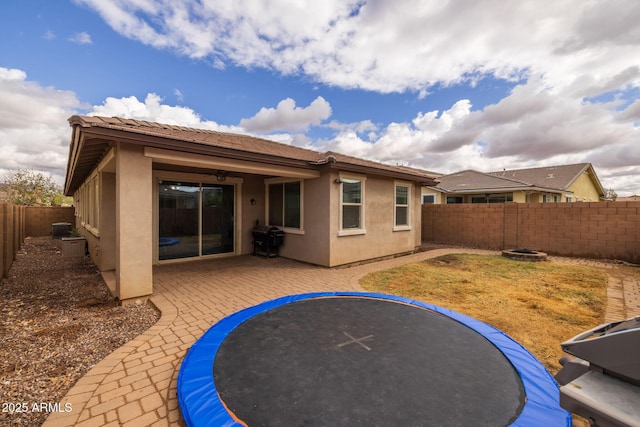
x: 195, y: 219
x: 217, y: 219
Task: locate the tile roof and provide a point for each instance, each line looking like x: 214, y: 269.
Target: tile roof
x: 204, y: 140
x: 198, y: 136
x: 557, y: 177
x: 470, y: 180
x: 551, y: 178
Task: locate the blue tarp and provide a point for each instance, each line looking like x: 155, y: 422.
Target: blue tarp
x: 201, y: 405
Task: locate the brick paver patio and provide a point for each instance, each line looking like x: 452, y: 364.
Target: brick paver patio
x: 136, y: 384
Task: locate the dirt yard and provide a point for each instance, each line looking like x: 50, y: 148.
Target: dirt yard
x: 539, y: 304
x: 57, y: 320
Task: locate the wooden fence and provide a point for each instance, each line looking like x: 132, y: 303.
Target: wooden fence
x: 12, y: 233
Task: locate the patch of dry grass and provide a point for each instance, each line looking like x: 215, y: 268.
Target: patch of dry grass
x: 540, y: 305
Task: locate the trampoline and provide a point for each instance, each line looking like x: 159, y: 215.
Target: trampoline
x: 362, y: 359
x: 168, y: 241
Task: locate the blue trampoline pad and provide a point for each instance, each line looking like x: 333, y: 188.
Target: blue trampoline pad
x: 344, y: 359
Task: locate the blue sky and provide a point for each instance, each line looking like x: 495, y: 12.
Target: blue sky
x: 443, y: 86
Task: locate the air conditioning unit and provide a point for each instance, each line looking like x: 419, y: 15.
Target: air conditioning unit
x: 60, y: 230
x: 74, y: 246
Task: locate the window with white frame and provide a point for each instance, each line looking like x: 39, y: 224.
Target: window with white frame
x: 401, y: 213
x: 352, y: 205
x: 428, y: 199
x: 284, y: 204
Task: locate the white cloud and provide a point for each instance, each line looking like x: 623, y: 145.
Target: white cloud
x: 380, y: 46
x: 532, y: 125
x: 122, y: 18
x: 152, y: 109
x: 364, y: 126
x: 631, y: 113
x: 399, y: 142
x: 537, y: 123
x: 179, y: 95
x: 562, y: 56
x: 34, y: 132
x: 81, y: 38
x: 286, y: 116
x: 528, y: 128
x: 12, y: 74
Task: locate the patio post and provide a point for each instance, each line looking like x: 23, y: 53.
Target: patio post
x: 134, y: 234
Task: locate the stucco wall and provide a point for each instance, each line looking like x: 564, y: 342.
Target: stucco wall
x: 380, y: 239
x: 252, y: 188
x: 438, y: 196
x: 134, y: 222
x: 583, y: 189
x: 102, y: 246
x: 313, y: 245
x: 519, y: 196
x: 107, y: 253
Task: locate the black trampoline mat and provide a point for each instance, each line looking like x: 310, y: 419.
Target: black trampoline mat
x: 346, y: 361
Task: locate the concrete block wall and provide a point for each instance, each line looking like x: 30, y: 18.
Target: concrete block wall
x: 39, y: 219
x: 476, y: 225
x: 605, y: 230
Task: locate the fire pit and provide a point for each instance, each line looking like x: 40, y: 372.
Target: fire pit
x: 524, y: 255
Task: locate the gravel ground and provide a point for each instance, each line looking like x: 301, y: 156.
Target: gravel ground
x: 57, y: 320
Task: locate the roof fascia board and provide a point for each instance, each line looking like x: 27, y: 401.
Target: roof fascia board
x: 340, y: 166
x: 74, y: 150
x: 505, y: 190
x: 588, y: 169
x: 105, y: 162
x: 595, y: 180
x: 576, y: 176
x: 233, y: 165
x: 132, y: 137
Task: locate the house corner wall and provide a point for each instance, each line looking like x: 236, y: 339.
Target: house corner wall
x: 313, y: 245
x: 380, y: 239
x: 416, y: 215
x: 584, y: 190
x: 133, y: 212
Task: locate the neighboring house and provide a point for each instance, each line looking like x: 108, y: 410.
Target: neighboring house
x: 148, y: 193
x: 565, y: 183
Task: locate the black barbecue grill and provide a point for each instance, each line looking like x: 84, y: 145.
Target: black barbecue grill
x: 267, y: 240
x: 602, y: 383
